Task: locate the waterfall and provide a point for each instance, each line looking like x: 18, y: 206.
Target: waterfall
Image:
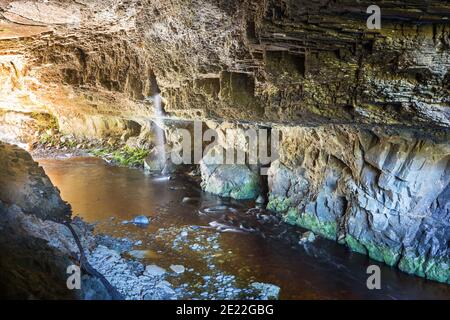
x: 160, y: 145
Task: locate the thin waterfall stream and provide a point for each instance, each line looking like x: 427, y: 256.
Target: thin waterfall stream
x: 160, y: 140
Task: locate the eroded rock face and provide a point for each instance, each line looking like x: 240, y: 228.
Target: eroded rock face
x: 269, y: 61
x: 24, y: 183
x: 35, y: 247
x: 382, y: 192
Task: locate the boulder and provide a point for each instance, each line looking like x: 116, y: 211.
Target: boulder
x: 237, y: 181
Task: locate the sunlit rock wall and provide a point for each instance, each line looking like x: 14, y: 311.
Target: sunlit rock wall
x: 297, y: 62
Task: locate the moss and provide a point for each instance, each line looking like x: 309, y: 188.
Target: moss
x: 278, y: 204
x: 377, y: 252
x: 382, y: 253
x: 355, y: 245
x: 292, y: 216
x: 132, y: 157
x: 327, y: 229
x: 433, y: 269
x: 45, y: 121
x: 247, y: 191
x: 438, y: 270
x: 47, y: 138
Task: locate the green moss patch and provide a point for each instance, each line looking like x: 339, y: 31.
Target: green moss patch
x: 247, y: 191
x: 278, y: 204
x: 433, y: 269
x: 126, y: 156
x: 377, y: 252
x: 327, y: 229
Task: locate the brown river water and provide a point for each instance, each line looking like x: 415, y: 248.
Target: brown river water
x: 258, y: 251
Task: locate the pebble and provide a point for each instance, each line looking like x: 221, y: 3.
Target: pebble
x: 138, y: 254
x: 154, y: 271
x: 268, y: 291
x: 177, y: 268
x: 141, y: 220
x: 260, y: 200
x: 184, y: 234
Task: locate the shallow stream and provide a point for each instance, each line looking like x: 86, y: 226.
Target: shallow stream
x: 223, y: 245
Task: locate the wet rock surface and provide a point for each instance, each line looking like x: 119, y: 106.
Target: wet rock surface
x: 385, y: 195
x: 43, y: 240
x: 224, y: 251
x: 35, y: 247
x: 135, y: 280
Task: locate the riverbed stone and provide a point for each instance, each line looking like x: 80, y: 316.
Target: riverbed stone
x: 138, y: 254
x: 177, y: 268
x: 307, y: 237
x: 154, y: 271
x: 267, y: 291
x: 141, y: 220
